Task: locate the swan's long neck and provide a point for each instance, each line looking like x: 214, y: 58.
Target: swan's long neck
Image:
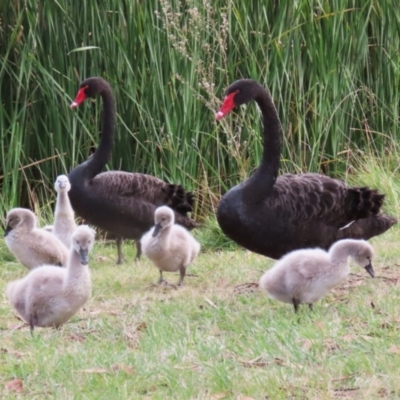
x: 63, y: 205
x: 164, y: 236
x: 260, y: 184
x: 340, y: 252
x: 102, y: 154
x: 75, y: 269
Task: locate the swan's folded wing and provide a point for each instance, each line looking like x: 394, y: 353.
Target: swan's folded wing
x: 145, y: 188
x: 315, y: 197
x: 48, y: 247
x: 140, y: 186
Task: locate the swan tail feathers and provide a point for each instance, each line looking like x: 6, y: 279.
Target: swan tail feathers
x: 364, y: 202
x: 179, y: 199
x: 367, y: 228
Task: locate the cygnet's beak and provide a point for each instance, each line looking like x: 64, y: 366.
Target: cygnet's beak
x: 62, y: 185
x: 157, y: 228
x: 84, y: 253
x: 7, y: 230
x: 370, y: 270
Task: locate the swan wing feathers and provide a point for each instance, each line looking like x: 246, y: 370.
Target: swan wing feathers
x: 51, y: 248
x: 180, y: 234
x: 181, y: 237
x: 318, y: 197
x: 306, y: 263
x: 297, y: 272
x: 15, y: 293
x: 45, y: 279
x: 146, y: 188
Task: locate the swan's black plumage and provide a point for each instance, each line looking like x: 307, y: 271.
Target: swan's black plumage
x: 120, y: 202
x: 273, y: 215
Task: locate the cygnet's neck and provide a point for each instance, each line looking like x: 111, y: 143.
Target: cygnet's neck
x: 341, y: 250
x: 63, y: 204
x: 75, y: 269
x: 26, y: 227
x: 163, y: 235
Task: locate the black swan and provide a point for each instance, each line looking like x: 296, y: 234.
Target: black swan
x: 273, y: 215
x: 120, y: 202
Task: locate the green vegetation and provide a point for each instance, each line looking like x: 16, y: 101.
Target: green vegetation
x: 211, y: 339
x: 333, y: 72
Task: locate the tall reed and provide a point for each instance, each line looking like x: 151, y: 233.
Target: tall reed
x: 332, y: 71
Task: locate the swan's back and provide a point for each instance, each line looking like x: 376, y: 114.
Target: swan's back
x: 124, y: 203
x: 298, y: 270
x: 303, y: 211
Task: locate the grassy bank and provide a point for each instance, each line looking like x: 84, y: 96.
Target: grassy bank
x: 211, y: 339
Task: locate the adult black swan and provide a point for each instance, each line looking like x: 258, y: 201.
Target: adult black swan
x: 273, y: 215
x: 120, y: 202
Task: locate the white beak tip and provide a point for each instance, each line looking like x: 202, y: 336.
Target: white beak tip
x: 219, y: 115
x: 74, y: 104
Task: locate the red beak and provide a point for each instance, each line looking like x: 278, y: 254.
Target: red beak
x: 227, y: 106
x: 80, y: 97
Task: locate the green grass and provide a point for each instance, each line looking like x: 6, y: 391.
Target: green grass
x: 210, y: 339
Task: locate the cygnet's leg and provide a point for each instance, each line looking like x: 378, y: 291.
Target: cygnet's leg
x: 295, y: 304
x: 182, y: 271
x: 161, y: 280
x: 138, y: 250
x: 118, y: 241
x: 33, y: 320
x: 310, y: 306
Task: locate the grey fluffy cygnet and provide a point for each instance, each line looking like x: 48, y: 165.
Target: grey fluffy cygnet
x: 49, y: 296
x: 305, y: 276
x: 64, y: 221
x: 32, y: 246
x: 169, y: 246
